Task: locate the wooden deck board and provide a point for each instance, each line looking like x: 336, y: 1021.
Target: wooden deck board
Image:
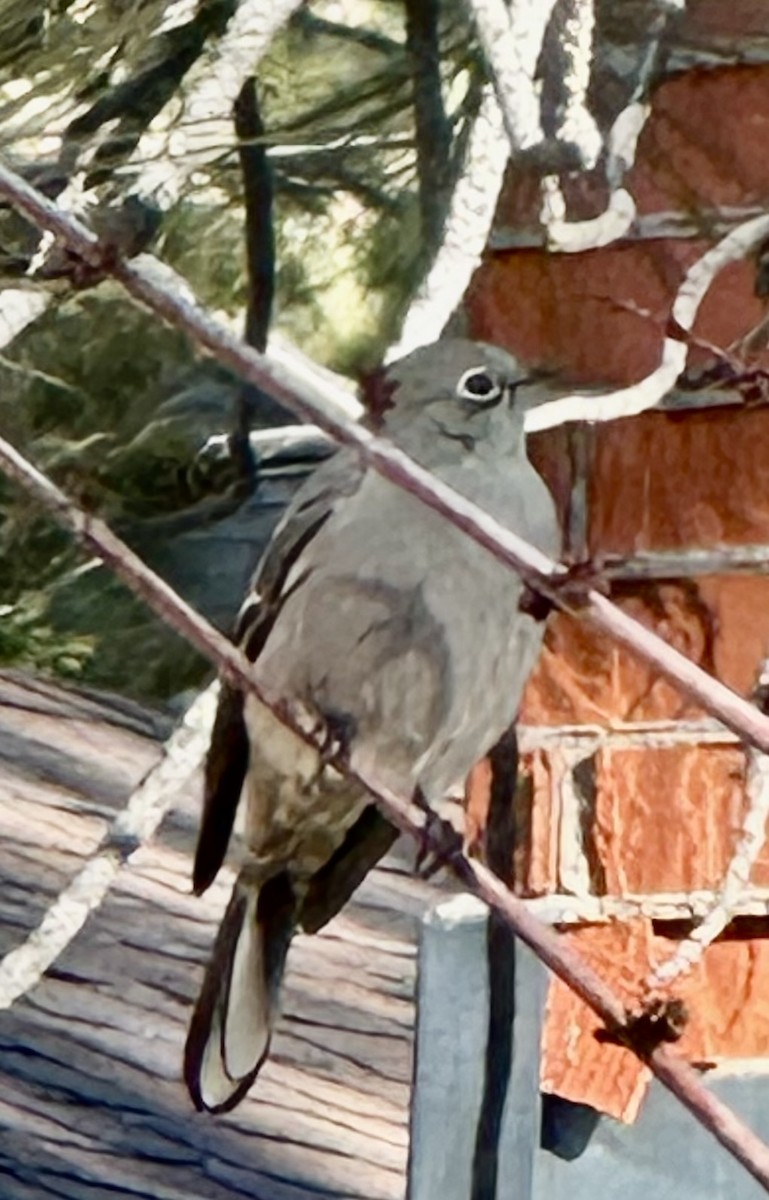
x: 91, y: 1102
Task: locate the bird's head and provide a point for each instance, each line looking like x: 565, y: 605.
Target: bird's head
x: 460, y: 395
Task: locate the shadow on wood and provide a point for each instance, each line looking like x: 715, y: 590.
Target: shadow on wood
x: 91, y: 1100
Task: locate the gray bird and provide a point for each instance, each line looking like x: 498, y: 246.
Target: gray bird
x: 396, y: 633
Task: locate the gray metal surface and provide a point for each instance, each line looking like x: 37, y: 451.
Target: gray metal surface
x: 450, y: 1087
x: 548, y: 1148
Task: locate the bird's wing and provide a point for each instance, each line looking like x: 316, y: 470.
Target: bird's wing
x: 228, y: 754
x: 226, y: 765
x: 329, y: 889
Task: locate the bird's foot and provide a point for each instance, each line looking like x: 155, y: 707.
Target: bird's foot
x: 572, y: 585
x: 438, y: 839
x: 337, y: 730
x: 534, y: 604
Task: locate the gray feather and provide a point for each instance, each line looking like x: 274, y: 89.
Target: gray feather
x: 379, y: 619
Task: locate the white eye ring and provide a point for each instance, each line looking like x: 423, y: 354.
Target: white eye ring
x: 480, y: 386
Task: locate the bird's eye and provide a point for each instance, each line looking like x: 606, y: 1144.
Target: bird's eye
x: 479, y: 386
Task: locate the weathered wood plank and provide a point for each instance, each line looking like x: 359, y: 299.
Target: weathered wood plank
x: 91, y: 1102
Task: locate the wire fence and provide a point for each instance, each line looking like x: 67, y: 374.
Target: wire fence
x: 294, y: 381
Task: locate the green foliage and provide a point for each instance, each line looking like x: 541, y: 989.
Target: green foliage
x: 106, y: 365
x: 100, y: 394
x: 128, y: 642
x: 28, y: 640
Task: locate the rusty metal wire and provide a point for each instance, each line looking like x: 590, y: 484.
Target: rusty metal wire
x: 309, y: 394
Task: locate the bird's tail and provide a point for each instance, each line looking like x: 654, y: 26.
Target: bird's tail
x: 230, y: 1030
